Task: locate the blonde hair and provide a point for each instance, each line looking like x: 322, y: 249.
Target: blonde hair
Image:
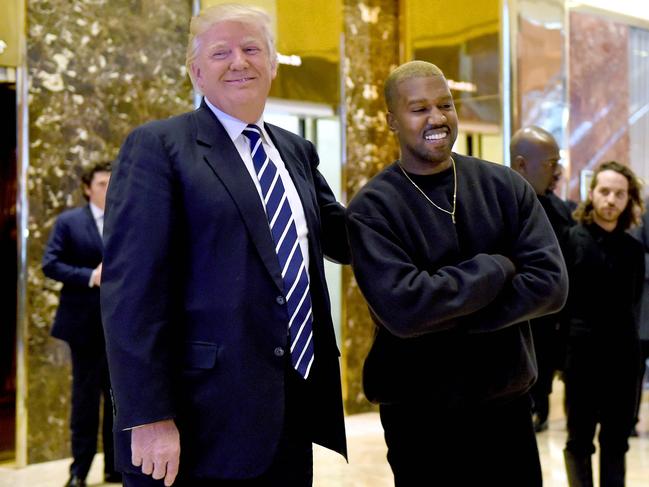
x: 224, y: 12
x: 412, y: 69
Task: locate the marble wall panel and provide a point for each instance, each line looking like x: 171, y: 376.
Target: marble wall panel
x: 599, y: 94
x: 541, y: 76
x: 97, y: 69
x: 371, y: 52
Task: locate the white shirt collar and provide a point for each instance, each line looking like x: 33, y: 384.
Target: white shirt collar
x: 233, y: 126
x: 96, y: 211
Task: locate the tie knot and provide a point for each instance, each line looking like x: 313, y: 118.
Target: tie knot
x: 253, y: 132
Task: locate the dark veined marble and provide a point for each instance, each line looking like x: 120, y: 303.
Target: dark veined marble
x: 97, y: 69
x: 371, y: 52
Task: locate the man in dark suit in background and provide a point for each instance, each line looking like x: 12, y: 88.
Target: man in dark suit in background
x: 216, y: 313
x: 535, y: 156
x: 73, y: 256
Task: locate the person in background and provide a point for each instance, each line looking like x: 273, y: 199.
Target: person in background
x: 535, y: 156
x: 454, y: 255
x: 606, y: 270
x: 73, y: 256
x: 642, y: 233
x: 217, y: 318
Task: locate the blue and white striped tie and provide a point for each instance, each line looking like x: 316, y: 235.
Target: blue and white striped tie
x: 294, y: 273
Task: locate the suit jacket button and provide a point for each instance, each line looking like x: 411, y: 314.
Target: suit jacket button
x: 280, y: 300
x: 279, y: 352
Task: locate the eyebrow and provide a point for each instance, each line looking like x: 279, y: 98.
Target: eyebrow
x: 426, y: 100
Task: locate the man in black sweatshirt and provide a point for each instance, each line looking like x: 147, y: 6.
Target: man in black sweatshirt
x: 535, y: 155
x: 454, y: 255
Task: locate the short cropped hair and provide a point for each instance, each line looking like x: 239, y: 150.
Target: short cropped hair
x: 224, y: 12
x: 522, y: 140
x: 632, y: 214
x: 412, y: 69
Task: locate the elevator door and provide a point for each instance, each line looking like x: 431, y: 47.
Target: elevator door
x: 8, y: 270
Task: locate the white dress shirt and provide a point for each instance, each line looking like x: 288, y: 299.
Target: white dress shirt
x: 98, y: 215
x: 234, y: 127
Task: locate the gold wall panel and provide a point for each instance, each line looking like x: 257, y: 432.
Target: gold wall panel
x: 312, y: 31
x: 12, y: 23
x: 462, y: 39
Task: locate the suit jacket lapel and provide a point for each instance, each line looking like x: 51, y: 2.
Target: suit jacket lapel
x: 221, y: 155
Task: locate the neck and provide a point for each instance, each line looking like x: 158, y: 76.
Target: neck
x: 605, y: 225
x: 250, y: 113
x: 425, y: 168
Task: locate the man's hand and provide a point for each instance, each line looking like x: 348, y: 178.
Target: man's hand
x: 96, y: 276
x: 156, y: 448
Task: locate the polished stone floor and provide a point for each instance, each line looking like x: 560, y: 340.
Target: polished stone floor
x: 367, y: 465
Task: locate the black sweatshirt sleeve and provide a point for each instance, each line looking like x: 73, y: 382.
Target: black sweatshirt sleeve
x: 409, y: 301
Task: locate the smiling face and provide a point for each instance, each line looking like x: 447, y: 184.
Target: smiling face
x: 234, y: 69
x: 423, y: 117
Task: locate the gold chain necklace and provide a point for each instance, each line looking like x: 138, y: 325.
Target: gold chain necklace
x: 452, y: 212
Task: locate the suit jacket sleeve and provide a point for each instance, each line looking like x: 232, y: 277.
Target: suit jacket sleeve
x: 137, y: 279
x: 333, y: 233
x: 54, y: 259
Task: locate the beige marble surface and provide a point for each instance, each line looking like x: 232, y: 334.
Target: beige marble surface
x: 367, y: 465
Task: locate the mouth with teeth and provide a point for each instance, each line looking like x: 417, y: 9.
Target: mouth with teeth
x: 436, y: 134
x: 239, y: 80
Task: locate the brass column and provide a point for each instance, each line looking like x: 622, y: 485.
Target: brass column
x: 371, y: 51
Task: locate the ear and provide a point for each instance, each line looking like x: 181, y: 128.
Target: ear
x: 518, y: 164
x: 86, y: 190
x: 392, y: 122
x: 196, y: 73
x: 273, y: 67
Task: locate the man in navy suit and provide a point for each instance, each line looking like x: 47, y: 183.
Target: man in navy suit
x: 73, y: 256
x: 197, y: 314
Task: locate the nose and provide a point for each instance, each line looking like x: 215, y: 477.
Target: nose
x: 436, y: 117
x: 239, y: 60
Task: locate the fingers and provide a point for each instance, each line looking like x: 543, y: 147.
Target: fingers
x: 147, y: 467
x: 172, y: 472
x: 155, y: 447
x: 159, y: 470
x: 136, y: 459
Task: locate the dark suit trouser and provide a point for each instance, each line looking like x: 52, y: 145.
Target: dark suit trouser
x: 489, y: 445
x: 291, y: 467
x: 644, y: 355
x: 89, y: 383
x: 601, y: 387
